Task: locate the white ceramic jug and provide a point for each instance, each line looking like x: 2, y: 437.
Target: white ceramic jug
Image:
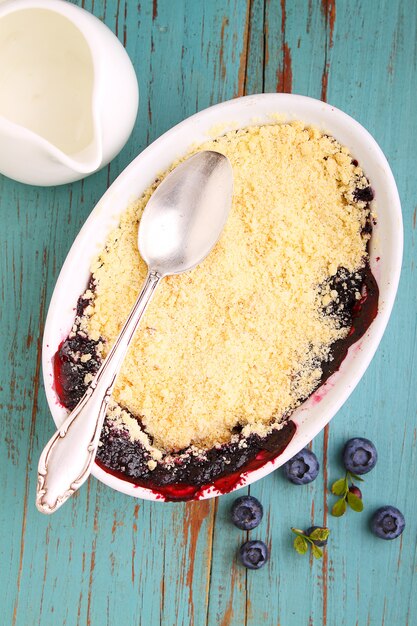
x: 68, y: 92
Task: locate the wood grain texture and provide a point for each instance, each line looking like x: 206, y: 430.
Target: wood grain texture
x: 105, y: 559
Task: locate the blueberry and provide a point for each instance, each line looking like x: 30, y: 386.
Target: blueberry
x: 359, y: 455
x: 253, y: 554
x: 317, y: 542
x: 247, y: 512
x: 387, y: 522
x: 302, y: 468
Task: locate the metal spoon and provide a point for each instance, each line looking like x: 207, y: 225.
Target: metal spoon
x: 180, y: 225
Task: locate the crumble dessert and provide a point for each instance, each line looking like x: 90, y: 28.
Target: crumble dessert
x: 226, y: 352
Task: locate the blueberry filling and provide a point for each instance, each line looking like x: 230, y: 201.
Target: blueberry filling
x: 119, y: 454
x: 364, y: 195
x: 70, y: 370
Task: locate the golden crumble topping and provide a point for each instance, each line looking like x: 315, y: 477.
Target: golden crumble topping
x: 239, y: 340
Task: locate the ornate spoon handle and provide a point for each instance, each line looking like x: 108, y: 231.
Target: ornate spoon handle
x: 66, y: 460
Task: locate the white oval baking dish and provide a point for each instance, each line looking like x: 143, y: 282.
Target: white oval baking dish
x: 385, y: 252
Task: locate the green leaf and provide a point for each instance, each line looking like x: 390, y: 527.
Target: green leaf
x: 354, y: 502
x: 297, y: 531
x: 317, y: 553
x: 356, y: 477
x: 300, y: 544
x: 339, y: 508
x: 340, y: 487
x: 319, y: 534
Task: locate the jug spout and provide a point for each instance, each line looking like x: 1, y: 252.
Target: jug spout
x: 84, y: 163
x: 29, y: 158
x: 87, y: 160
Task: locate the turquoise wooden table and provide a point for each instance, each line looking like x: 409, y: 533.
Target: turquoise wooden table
x: 107, y: 559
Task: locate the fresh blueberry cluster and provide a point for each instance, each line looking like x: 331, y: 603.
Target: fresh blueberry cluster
x: 302, y: 469
x: 247, y: 513
x: 359, y: 457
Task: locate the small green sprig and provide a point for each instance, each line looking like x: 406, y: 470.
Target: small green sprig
x: 302, y: 541
x: 346, y: 494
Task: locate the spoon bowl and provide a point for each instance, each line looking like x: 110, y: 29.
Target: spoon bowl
x: 180, y: 225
